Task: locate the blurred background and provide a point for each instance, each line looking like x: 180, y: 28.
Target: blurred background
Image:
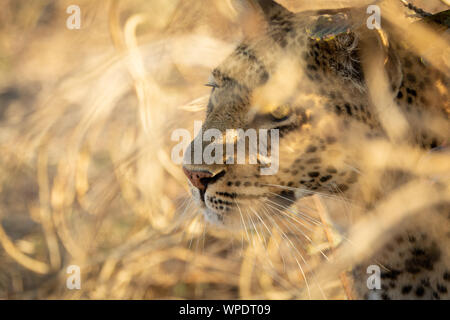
x: 85, y: 172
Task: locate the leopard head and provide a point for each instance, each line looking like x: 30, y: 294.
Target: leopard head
x: 282, y: 81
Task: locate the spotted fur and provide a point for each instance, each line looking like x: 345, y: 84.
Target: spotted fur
x: 330, y: 106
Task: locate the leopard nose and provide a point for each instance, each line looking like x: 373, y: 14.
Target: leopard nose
x: 201, y: 178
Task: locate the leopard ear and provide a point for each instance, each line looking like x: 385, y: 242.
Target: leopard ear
x: 266, y: 9
x: 255, y: 15
x: 269, y: 8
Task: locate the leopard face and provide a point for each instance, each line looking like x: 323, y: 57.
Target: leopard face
x: 312, y: 92
x: 313, y: 156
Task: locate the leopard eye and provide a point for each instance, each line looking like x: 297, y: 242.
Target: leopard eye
x: 281, y: 113
x: 212, y: 83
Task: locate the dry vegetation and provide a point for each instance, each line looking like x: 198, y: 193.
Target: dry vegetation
x: 85, y: 172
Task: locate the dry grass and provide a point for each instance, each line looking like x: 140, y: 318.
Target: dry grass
x: 86, y: 176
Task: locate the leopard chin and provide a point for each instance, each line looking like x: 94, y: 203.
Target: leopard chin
x: 234, y: 210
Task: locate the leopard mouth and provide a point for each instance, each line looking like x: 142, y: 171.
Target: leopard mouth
x: 231, y: 218
x: 207, y: 182
x: 282, y: 199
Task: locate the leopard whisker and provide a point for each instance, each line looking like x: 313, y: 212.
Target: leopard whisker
x: 205, y: 226
x: 192, y: 236
x: 299, y: 230
x: 287, y: 209
x: 301, y: 256
x: 309, y: 219
x: 197, y: 241
x: 256, y: 229
x: 186, y: 212
x: 307, y: 192
x: 348, y: 204
x: 262, y: 221
x: 243, y: 222
x: 290, y: 200
x: 353, y: 168
x: 283, y: 234
x: 270, y: 270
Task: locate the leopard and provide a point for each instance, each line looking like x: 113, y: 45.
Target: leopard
x: 306, y: 75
